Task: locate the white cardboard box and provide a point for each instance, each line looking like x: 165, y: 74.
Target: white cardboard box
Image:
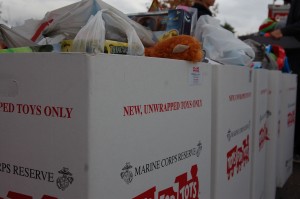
x: 274, y: 98
x: 75, y: 126
x: 231, y: 132
x: 260, y: 132
x: 287, y: 128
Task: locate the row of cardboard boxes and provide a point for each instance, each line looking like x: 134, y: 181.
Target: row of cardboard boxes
x: 76, y: 126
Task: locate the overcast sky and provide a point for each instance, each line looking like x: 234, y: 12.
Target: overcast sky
x: 244, y: 15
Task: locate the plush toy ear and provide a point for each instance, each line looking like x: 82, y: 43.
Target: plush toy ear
x: 180, y: 48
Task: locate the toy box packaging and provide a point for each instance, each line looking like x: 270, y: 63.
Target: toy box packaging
x: 110, y: 46
x: 115, y: 47
x: 165, y: 24
x: 178, y: 23
x: 260, y: 132
x: 179, y: 20
x: 274, y: 98
x: 287, y: 128
x: 75, y: 126
x: 155, y: 21
x: 231, y: 131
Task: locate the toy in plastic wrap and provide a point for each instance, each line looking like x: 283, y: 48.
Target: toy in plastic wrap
x: 154, y: 21
x: 259, y: 50
x: 182, y: 47
x: 115, y: 47
x: 278, y: 55
x: 166, y: 24
x: 110, y: 47
x: 268, y: 25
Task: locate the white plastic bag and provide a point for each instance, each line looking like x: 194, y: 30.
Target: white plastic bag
x: 220, y: 44
x: 91, y: 37
x: 146, y: 36
x: 13, y: 39
x: 68, y: 20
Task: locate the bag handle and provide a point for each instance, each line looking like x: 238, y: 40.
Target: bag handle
x: 91, y: 36
x: 135, y: 46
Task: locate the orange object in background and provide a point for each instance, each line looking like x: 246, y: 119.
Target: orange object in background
x: 159, y: 5
x: 2, y: 45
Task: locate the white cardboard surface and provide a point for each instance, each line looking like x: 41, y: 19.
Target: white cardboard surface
x: 287, y: 128
x: 231, y: 132
x: 274, y: 98
x: 260, y: 133
x: 105, y: 126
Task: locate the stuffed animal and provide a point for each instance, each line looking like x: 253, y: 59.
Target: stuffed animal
x: 182, y: 47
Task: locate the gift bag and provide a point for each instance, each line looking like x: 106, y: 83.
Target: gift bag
x: 92, y: 36
x: 220, y: 44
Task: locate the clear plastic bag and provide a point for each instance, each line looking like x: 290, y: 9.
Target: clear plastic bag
x: 146, y: 36
x: 220, y: 44
x: 92, y: 36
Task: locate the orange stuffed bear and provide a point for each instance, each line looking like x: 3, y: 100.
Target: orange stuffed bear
x: 183, y: 47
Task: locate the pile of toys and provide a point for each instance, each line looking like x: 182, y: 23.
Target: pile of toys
x: 96, y: 27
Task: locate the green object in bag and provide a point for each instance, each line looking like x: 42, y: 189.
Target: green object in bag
x: 42, y: 48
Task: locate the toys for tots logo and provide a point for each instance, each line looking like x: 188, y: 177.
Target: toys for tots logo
x: 291, y: 118
x: 263, y: 136
x: 186, y: 189
x: 237, y: 157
